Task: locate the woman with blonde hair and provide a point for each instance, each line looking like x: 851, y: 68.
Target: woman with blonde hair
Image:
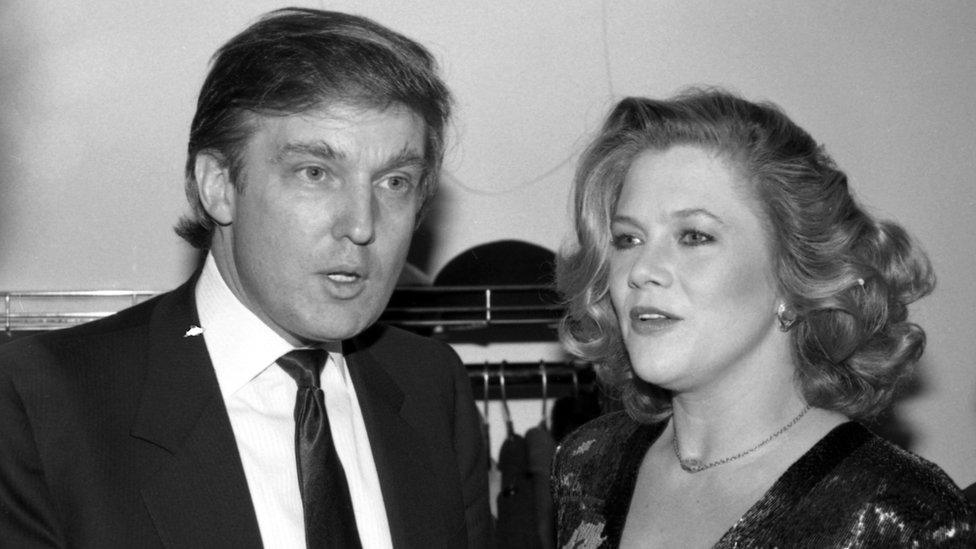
x: 749, y: 313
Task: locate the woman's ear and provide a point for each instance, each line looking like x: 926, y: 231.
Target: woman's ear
x: 217, y: 192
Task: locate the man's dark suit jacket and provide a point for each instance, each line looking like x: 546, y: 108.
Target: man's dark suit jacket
x: 114, y: 434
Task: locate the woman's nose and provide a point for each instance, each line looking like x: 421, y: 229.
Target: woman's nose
x: 652, y: 266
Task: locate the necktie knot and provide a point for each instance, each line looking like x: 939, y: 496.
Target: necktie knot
x: 304, y: 365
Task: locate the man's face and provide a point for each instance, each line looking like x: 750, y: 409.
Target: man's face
x: 314, y: 242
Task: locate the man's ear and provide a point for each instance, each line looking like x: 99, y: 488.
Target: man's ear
x: 217, y: 192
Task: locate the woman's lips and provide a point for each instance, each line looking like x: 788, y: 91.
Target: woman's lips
x: 651, y: 320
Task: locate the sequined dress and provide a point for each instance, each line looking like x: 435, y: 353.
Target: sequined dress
x: 852, y: 489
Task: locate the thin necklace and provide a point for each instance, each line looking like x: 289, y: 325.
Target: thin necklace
x: 696, y: 466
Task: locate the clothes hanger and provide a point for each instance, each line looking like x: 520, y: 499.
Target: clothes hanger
x: 486, y: 429
x: 508, y: 414
x: 545, y: 394
x: 484, y: 378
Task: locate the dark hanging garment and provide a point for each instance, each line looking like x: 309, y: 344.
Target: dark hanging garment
x: 571, y: 412
x: 540, y: 448
x: 516, y: 525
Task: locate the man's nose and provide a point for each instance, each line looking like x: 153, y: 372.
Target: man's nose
x: 357, y: 215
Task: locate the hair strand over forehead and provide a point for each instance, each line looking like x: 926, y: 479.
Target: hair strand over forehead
x: 294, y: 60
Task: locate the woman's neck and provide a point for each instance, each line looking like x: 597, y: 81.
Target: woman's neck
x: 708, y: 429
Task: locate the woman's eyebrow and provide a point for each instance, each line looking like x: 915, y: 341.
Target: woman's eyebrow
x: 693, y: 212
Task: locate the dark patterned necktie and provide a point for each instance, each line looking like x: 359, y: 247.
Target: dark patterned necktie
x: 329, y: 518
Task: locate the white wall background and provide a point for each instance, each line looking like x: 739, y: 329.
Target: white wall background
x: 96, y: 99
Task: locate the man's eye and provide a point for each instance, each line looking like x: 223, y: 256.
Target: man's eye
x: 624, y: 241
x: 398, y: 183
x: 313, y: 173
x: 695, y: 238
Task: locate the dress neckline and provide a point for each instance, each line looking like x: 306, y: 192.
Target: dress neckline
x: 792, y: 486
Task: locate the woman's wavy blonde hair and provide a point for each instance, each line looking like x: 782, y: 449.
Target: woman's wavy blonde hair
x: 848, y: 277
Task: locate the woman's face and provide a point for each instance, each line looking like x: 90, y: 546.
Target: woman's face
x: 691, y: 275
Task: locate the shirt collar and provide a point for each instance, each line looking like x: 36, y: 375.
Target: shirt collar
x: 241, y: 345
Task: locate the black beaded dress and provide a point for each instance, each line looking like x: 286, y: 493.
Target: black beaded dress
x: 852, y: 489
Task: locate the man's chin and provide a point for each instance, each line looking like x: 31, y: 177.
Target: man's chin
x: 330, y: 321
x: 333, y: 329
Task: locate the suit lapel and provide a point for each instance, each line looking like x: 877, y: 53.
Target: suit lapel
x: 411, y: 489
x: 195, y: 487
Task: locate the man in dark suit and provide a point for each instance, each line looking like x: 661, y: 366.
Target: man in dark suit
x: 259, y: 403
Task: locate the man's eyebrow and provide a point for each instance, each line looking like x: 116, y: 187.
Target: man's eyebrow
x: 319, y: 149
x: 405, y: 158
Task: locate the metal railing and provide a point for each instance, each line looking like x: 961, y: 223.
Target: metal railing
x: 412, y: 306
x: 52, y: 310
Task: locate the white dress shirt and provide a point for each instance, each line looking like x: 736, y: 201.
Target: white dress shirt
x: 260, y: 400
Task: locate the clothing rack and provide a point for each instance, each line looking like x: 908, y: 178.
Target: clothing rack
x: 446, y: 307
x: 529, y: 380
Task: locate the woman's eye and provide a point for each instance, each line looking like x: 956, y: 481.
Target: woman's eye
x: 624, y: 241
x: 695, y: 238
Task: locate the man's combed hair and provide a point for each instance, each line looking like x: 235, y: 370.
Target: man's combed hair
x: 848, y: 276
x: 294, y: 60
